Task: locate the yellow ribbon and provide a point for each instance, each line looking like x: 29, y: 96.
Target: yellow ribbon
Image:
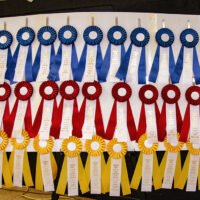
x: 44, y: 150
x: 26, y: 167
x: 137, y: 175
x: 124, y: 173
x: 82, y: 177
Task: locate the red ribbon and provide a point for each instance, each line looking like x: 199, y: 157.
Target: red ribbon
x: 112, y: 123
x: 56, y: 124
x: 186, y: 121
x: 38, y: 117
x: 163, y: 121
x: 142, y: 121
x: 78, y: 124
x: 28, y: 116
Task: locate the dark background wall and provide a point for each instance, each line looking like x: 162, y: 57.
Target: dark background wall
x: 23, y: 7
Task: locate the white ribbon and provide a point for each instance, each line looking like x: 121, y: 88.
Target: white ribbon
x: 95, y: 174
x: 3, y: 64
x: 72, y: 174
x: 2, y: 108
x: 88, y: 127
x: 1, y: 166
x: 151, y: 123
x: 65, y: 68
x: 121, y: 131
x: 169, y: 170
x: 66, y: 124
x: 132, y: 74
x: 194, y: 125
x: 114, y: 63
x: 90, y: 67
x: 147, y: 171
x: 46, y: 169
x: 193, y: 173
x: 18, y: 167
x: 171, y: 123
x: 44, y: 63
x: 163, y: 74
x: 187, y: 72
x: 46, y: 119
x: 115, y: 176
x: 20, y: 65
x: 19, y: 119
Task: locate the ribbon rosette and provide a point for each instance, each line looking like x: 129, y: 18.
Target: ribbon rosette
x: 170, y: 121
x: 134, y: 61
x: 46, y: 167
x: 163, y: 63
x: 95, y: 164
x: 91, y: 58
x: 19, y: 162
x: 115, y: 172
x: 114, y: 55
x: 147, y: 166
x: 119, y: 118
x: 72, y: 169
x: 149, y: 114
x: 45, y: 57
x: 5, y: 54
x: 4, y: 166
x: 89, y: 114
x: 21, y: 64
x: 66, y: 59
x: 191, y: 121
x: 187, y: 64
x: 20, y: 116
x: 67, y: 113
x: 190, y: 171
x: 47, y: 110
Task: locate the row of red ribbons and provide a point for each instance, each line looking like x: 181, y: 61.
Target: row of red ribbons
x: 78, y: 116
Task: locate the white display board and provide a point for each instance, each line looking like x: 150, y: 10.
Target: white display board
x: 105, y: 20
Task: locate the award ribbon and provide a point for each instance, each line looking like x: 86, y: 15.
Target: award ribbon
x: 20, y: 116
x: 47, y: 111
x: 72, y: 170
x: 18, y: 162
x: 67, y: 113
x: 163, y: 63
x: 95, y: 164
x: 21, y: 64
x: 114, y: 55
x: 191, y: 117
x: 149, y: 114
x: 132, y: 64
x: 89, y: 114
x: 66, y: 60
x: 170, y: 121
x: 147, y: 166
x: 116, y: 172
x: 187, y: 58
x: 190, y: 170
x: 45, y: 56
x: 46, y: 166
x: 4, y: 165
x: 121, y: 115
x: 6, y: 40
x: 91, y: 58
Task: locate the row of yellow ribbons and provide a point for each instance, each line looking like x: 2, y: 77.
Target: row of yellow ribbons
x: 180, y: 174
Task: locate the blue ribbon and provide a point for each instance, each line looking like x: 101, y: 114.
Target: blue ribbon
x: 9, y: 59
x: 106, y: 62
x: 36, y: 64
x: 155, y: 66
x: 196, y: 68
x: 79, y: 71
x: 123, y: 69
x: 54, y: 73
